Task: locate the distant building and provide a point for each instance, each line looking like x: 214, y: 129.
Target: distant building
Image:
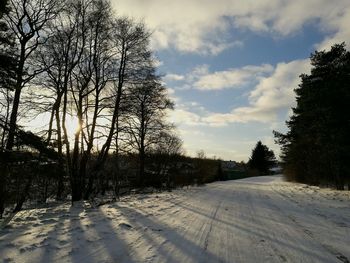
x: 228, y: 165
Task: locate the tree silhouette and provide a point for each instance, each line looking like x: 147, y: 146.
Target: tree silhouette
x: 316, y: 148
x: 262, y: 159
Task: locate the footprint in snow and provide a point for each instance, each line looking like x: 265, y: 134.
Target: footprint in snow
x: 308, y: 232
x: 64, y: 216
x: 63, y: 242
x: 341, y: 224
x: 29, y: 218
x: 157, y: 229
x: 283, y: 258
x: 28, y: 248
x: 10, y: 245
x: 49, y: 221
x: 41, y: 235
x: 125, y: 225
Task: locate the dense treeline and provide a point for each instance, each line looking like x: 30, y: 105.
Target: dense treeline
x: 315, y: 150
x: 92, y: 76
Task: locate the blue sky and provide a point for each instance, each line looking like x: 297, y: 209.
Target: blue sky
x: 231, y: 66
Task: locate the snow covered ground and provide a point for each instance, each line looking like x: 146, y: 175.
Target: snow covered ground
x: 261, y: 219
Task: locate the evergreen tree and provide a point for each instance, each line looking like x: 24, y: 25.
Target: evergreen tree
x: 316, y: 148
x: 7, y: 59
x: 262, y: 159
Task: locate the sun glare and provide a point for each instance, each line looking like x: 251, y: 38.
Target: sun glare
x: 72, y: 125
x: 42, y: 122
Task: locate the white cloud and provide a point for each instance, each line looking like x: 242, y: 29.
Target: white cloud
x: 340, y: 26
x: 202, y: 79
x: 171, y: 91
x: 198, y: 72
x: 202, y: 26
x: 183, y: 116
x: 232, y: 77
x: 270, y: 96
x: 173, y: 77
x: 217, y: 47
x: 157, y: 62
x: 269, y: 102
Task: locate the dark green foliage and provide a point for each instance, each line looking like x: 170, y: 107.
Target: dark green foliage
x: 262, y: 159
x: 3, y: 4
x: 35, y: 142
x: 30, y: 141
x: 315, y: 150
x: 220, y: 172
x: 7, y: 59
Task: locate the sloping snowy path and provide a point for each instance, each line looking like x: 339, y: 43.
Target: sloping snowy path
x: 259, y: 219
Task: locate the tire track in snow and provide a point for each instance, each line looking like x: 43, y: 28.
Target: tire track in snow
x: 206, y: 242
x: 306, y: 231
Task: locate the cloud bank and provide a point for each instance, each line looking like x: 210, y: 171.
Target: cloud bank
x: 273, y: 94
x: 202, y: 26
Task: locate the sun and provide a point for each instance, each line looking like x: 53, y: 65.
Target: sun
x: 72, y: 125
x: 41, y: 122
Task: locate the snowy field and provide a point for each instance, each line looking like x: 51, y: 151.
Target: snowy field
x: 260, y: 219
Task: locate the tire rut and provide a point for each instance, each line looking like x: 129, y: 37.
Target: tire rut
x: 206, y: 241
x: 309, y: 233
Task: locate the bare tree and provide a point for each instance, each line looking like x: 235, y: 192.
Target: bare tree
x: 77, y: 60
x: 27, y: 19
x: 60, y: 56
x: 93, y: 76
x: 5, y: 103
x: 144, y: 120
x: 164, y: 155
x: 130, y: 43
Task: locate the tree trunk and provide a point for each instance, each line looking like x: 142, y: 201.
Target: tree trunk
x: 60, y: 187
x: 77, y: 191
x: 106, y: 146
x: 3, y: 176
x: 24, y: 194
x: 16, y: 99
x: 141, y: 178
x: 87, y: 153
x: 78, y: 188
x: 49, y: 131
x: 66, y: 142
x: 61, y: 172
x: 4, y: 129
x: 13, y: 119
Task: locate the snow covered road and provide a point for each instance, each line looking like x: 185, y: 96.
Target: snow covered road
x: 260, y: 219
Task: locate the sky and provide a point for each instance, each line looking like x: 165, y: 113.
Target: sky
x: 231, y: 66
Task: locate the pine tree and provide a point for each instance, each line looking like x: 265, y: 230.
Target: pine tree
x: 262, y: 159
x: 316, y: 148
x: 7, y: 60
